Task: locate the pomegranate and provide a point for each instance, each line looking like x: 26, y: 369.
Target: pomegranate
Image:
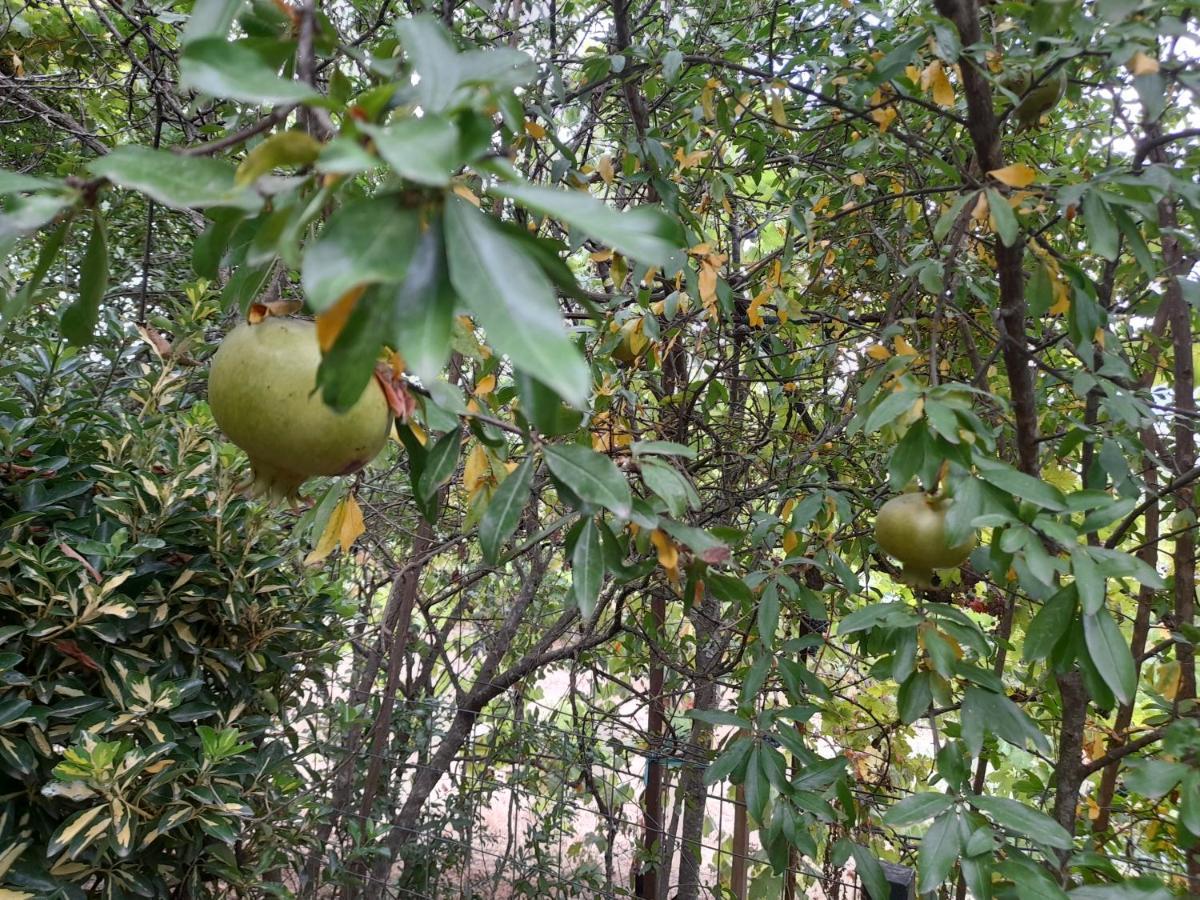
x: 912, y: 528
x: 262, y: 388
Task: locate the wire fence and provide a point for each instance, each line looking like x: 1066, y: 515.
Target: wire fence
x: 533, y: 808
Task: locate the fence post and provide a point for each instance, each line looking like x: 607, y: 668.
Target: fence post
x: 646, y: 883
x: 741, y: 844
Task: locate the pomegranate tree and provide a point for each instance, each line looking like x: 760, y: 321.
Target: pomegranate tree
x: 262, y: 388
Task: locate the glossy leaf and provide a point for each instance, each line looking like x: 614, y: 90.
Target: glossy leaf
x: 234, y: 71
x: 645, y: 234
x: 365, y: 242
x: 587, y: 569
x: 173, y: 180
x: 591, y: 476
x: 80, y: 318
x: 513, y: 301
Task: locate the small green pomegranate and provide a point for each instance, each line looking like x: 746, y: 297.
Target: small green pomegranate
x: 912, y: 528
x: 262, y: 388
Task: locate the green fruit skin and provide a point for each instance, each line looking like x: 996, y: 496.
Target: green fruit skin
x: 262, y: 387
x: 912, y: 528
x: 1041, y: 100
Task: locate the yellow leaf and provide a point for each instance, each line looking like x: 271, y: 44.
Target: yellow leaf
x: 879, y: 352
x: 1141, y: 64
x: 820, y: 204
x: 791, y: 541
x: 858, y: 179
x: 1166, y: 680
x: 668, y: 553
x: 912, y: 73
x: 1018, y: 175
x: 534, y: 129
x: 706, y: 98
x: 466, y: 193
x: 752, y: 314
x: 903, y: 347
x: 605, y: 168
x: 687, y: 160
x: 980, y: 212
x: 934, y: 77
x: 331, y: 322
x: 778, y: 113
x: 477, y: 471
x: 1062, y: 296
x: 344, y: 526
x: 884, y: 117
x: 485, y: 385
x: 288, y: 148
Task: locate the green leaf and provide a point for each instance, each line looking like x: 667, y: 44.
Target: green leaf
x: 914, y: 697
x: 720, y: 717
x: 80, y: 318
x: 211, y: 18
x: 890, y: 408
x: 180, y: 182
x: 15, y: 183
x: 513, y: 301
x: 424, y: 150
x: 947, y: 219
x: 423, y: 308
x: 1103, y: 236
x: 591, y: 476
x: 440, y: 465
x: 70, y: 833
x: 1154, y: 778
x: 443, y: 70
x: 233, y: 71
x: 646, y: 234
x: 704, y: 545
x: 1031, y: 882
x: 1110, y: 653
x: 969, y: 502
x: 365, y: 242
x: 544, y: 409
x: 1021, y: 485
x: 984, y: 710
x: 727, y: 762
x: 1023, y: 821
x: 871, y: 873
x: 1089, y: 580
x: 504, y: 510
x: 587, y: 569
x: 755, y: 678
x: 1050, y: 624
x: 16, y: 306
x: 348, y: 367
x: 26, y: 214
x: 768, y: 614
x: 938, y: 852
x: 1189, y: 802
x: 662, y: 448
x: 1004, y: 218
x: 897, y: 58
x: 917, y: 808
x: 757, y: 785
x: 674, y: 489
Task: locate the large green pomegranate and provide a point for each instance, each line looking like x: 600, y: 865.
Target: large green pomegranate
x: 262, y: 388
x: 912, y: 528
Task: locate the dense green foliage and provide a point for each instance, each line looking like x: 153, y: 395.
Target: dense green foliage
x: 156, y: 647
x: 670, y: 300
